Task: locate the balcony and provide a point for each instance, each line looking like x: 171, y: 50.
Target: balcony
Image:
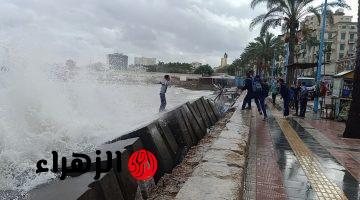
x: 351, y: 41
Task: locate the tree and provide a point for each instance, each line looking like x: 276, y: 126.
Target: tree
x: 261, y: 52
x: 170, y: 67
x: 353, y: 123
x: 204, y: 70
x: 288, y: 14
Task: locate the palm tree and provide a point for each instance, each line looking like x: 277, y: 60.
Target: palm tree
x: 261, y: 51
x: 353, y: 122
x: 288, y: 14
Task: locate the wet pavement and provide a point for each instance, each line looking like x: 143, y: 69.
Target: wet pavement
x: 297, y: 158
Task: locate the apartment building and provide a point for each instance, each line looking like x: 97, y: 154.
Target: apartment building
x: 340, y: 43
x: 118, y: 61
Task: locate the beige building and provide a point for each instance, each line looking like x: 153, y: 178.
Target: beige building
x: 142, y: 61
x: 224, y: 60
x: 340, y: 43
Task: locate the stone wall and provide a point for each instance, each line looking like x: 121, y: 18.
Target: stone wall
x: 168, y: 138
x: 220, y: 173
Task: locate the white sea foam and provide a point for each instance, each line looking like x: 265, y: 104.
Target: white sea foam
x: 39, y: 114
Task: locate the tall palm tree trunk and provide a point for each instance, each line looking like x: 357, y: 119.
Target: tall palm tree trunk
x: 292, y: 41
x: 353, y: 123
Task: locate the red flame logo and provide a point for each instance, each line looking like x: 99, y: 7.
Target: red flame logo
x: 142, y: 165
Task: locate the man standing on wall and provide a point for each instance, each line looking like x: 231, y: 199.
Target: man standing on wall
x: 164, y: 85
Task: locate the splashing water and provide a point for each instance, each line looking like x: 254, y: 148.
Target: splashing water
x: 39, y: 115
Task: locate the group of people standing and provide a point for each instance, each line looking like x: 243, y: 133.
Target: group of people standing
x: 297, y: 96
x: 258, y: 89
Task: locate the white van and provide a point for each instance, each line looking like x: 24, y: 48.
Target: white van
x: 309, y: 83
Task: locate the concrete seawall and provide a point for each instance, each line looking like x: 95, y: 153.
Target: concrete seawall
x: 168, y: 138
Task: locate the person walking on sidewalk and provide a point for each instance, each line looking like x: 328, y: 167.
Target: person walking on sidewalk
x: 249, y: 94
x: 249, y: 86
x: 261, y: 93
x: 297, y: 98
x: 274, y: 90
x: 164, y: 85
x: 323, y: 91
x: 284, y: 92
x: 303, y: 99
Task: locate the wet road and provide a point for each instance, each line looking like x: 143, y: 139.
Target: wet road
x: 286, y: 161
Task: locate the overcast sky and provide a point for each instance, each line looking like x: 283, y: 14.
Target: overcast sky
x: 50, y: 31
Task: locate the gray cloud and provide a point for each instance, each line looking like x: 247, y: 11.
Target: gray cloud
x: 171, y: 30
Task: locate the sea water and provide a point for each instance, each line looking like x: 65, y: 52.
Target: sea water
x: 40, y: 113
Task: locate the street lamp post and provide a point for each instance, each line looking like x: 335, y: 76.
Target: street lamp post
x: 318, y: 68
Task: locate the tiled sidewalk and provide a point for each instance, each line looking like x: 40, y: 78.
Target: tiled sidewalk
x: 274, y: 170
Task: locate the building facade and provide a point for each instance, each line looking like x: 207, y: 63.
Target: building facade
x: 142, y: 61
x: 339, y: 43
x: 224, y: 60
x: 118, y: 61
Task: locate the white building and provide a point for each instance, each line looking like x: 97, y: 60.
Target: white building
x: 196, y: 65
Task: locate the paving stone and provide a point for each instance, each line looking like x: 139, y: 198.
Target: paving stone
x: 197, y: 188
x: 218, y: 170
x: 228, y: 144
x: 231, y: 135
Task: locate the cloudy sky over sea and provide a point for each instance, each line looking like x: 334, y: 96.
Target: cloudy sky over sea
x: 50, y: 31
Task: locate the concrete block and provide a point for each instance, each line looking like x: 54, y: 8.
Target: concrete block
x: 119, y: 145
x: 194, y: 125
x: 191, y: 132
x: 169, y: 139
x: 198, y: 118
x: 225, y: 156
x: 203, y: 113
x: 176, y: 123
x: 110, y: 186
x: 92, y: 194
x: 70, y: 188
x: 128, y: 184
x: 209, y: 111
x: 160, y: 149
x: 217, y: 112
